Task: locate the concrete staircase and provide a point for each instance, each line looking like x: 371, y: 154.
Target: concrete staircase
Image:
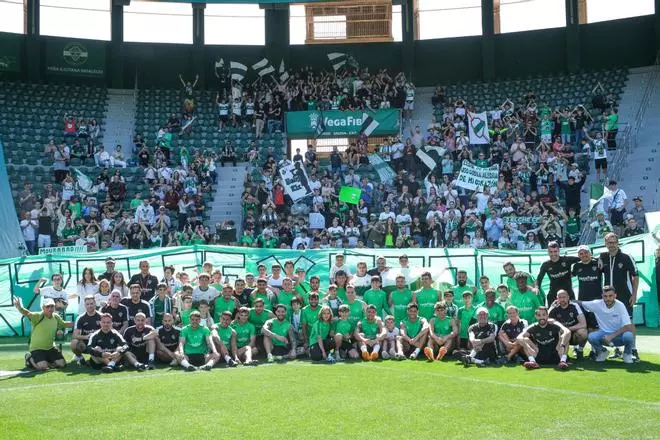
x: 227, y: 202
x: 120, y: 120
x: 423, y: 110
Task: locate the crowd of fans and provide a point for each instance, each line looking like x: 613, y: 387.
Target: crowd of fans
x: 543, y: 155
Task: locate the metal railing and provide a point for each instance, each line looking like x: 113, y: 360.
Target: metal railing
x: 626, y: 144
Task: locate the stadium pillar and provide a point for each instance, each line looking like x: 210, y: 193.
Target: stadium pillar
x: 572, y: 36
x: 488, y: 38
x: 116, y: 59
x: 32, y: 44
x: 276, y: 19
x: 408, y: 26
x: 198, y: 43
x: 657, y: 31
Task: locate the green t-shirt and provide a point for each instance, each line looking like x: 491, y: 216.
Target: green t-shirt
x: 369, y: 328
x: 159, y: 311
x: 441, y: 327
x: 341, y: 294
x: 481, y: 163
x: 345, y: 328
x: 412, y: 328
x: 565, y: 126
x: 377, y: 298
x: 321, y: 329
x: 309, y: 315
x: 244, y: 332
x: 263, y: 296
x: 258, y: 319
x: 135, y: 203
x: 465, y: 316
x: 43, y: 333
x: 247, y: 239
x: 185, y: 317
x: 284, y: 298
x: 222, y: 305
x: 195, y: 339
x: 303, y: 288
x: 357, y: 311
x: 573, y: 226
x: 527, y: 304
x: 496, y: 312
x: 400, y: 301
x: 479, y: 297
x: 280, y: 329
x: 225, y: 333
x: 458, y: 293
x: 426, y: 299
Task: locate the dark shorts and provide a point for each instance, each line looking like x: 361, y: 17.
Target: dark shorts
x: 487, y: 352
x: 95, y: 365
x: 547, y: 357
x: 278, y: 350
x: 464, y: 343
x: 616, y: 217
x: 196, y: 359
x: 601, y: 164
x: 49, y: 356
x: 140, y: 355
x: 347, y: 345
x: 591, y: 320
x: 223, y: 118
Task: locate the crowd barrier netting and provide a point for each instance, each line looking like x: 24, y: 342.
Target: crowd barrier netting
x: 19, y: 275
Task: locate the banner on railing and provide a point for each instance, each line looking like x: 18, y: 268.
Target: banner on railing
x: 19, y: 275
x: 338, y: 123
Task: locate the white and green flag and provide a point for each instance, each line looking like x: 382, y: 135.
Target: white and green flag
x: 478, y: 128
x: 84, y: 182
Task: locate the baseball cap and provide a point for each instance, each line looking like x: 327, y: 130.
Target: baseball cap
x: 584, y: 248
x: 48, y: 302
x: 203, y: 275
x: 110, y: 260
x: 300, y: 269
x: 637, y: 198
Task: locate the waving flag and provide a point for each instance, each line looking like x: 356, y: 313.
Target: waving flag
x: 369, y: 125
x: 84, y: 182
x: 478, y: 128
x: 263, y: 67
x: 238, y: 70
x: 284, y: 75
x: 337, y: 59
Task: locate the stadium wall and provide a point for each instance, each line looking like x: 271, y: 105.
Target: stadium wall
x: 628, y: 42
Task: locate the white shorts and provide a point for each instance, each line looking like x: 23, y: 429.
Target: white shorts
x: 409, y: 105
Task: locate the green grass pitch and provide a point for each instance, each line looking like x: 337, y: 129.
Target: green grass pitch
x: 301, y: 400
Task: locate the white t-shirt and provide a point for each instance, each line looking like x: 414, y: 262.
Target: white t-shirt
x: 209, y: 294
x: 397, y: 150
x: 316, y: 220
x: 482, y: 202
x: 609, y: 319
x: 385, y: 215
x: 50, y: 292
x: 334, y: 269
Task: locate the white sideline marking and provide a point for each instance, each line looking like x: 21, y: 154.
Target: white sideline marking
x: 526, y: 387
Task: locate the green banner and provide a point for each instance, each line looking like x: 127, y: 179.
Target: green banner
x: 338, y: 123
x: 75, y: 57
x: 10, y: 52
x: 19, y: 275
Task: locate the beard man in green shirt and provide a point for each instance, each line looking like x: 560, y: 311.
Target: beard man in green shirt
x: 279, y: 339
x: 245, y: 336
x: 45, y: 326
x: 414, y: 331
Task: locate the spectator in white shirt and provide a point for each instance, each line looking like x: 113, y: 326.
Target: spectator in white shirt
x: 144, y: 213
x: 302, y: 239
x: 340, y: 265
x: 386, y: 214
x: 29, y: 226
x: 482, y: 199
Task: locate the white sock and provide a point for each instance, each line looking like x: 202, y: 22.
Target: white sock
x: 477, y: 361
x: 563, y: 358
x: 227, y: 358
x: 363, y: 348
x: 416, y: 352
x: 151, y: 357
x: 531, y: 359
x: 185, y: 363
x: 376, y: 348
x: 112, y: 364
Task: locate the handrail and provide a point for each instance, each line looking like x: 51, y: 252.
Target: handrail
x: 624, y: 148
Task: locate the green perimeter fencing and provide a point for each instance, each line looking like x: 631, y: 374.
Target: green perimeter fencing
x: 19, y: 275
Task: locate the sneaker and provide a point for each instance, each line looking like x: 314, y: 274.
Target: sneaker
x: 119, y: 367
x: 151, y: 365
x: 617, y: 354
x: 191, y: 368
x: 428, y: 352
x: 441, y: 353
x: 27, y: 361
x: 602, y: 356
x: 531, y: 365
x: 374, y: 355
x: 277, y: 358
x: 270, y: 358
x: 400, y: 357
x: 502, y: 360
x: 628, y: 358
x: 205, y: 367
x: 413, y: 356
x: 107, y: 369
x: 385, y: 355
x: 366, y: 356
x: 466, y: 361
x: 140, y: 367
x: 579, y: 355
x: 518, y: 359
x: 562, y: 365
x: 482, y: 364
x: 173, y: 363
x: 635, y: 355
